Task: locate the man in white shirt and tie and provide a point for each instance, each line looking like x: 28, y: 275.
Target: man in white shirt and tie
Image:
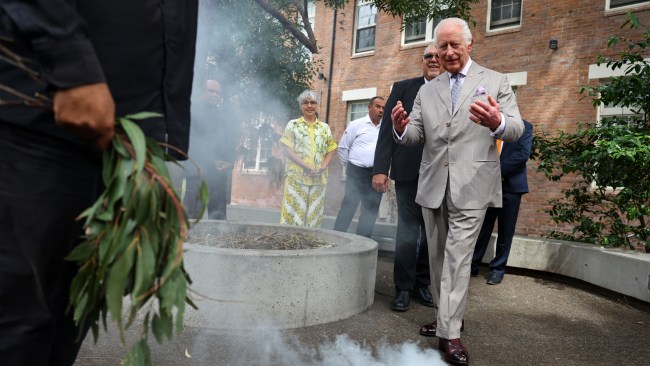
x: 357, y: 153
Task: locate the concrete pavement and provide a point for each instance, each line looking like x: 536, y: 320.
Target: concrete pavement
x: 526, y: 320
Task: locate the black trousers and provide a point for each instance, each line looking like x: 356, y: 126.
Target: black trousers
x: 507, y: 223
x: 411, y: 268
x: 358, y: 188
x: 45, y: 183
x: 218, y: 182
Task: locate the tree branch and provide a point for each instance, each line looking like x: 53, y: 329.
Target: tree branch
x: 295, y: 31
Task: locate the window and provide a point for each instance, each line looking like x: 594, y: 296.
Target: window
x: 603, y: 74
x: 504, y: 13
x: 416, y: 31
x: 623, y: 114
x: 258, y: 152
x: 419, y: 30
x: 357, y: 109
x: 614, y: 4
x: 258, y: 144
x: 311, y: 13
x: 364, y: 35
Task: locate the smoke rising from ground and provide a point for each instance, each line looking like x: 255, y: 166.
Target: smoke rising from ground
x: 269, y: 347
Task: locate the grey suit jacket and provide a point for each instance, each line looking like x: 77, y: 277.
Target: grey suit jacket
x: 457, y: 148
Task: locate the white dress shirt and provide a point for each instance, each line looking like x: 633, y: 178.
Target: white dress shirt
x: 358, y: 143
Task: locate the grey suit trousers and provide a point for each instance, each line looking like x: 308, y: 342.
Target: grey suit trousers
x: 451, y: 234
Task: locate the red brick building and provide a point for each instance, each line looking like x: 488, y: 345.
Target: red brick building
x: 547, y: 49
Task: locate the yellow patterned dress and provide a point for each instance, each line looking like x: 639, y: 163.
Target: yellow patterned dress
x: 304, y: 195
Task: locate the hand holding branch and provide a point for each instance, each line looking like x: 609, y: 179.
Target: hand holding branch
x: 88, y: 110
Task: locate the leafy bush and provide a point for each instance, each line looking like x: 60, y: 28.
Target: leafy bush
x: 609, y: 201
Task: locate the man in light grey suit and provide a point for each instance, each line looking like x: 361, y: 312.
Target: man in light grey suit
x: 457, y: 116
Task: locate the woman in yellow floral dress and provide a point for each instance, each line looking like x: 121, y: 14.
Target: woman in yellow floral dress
x: 309, y: 145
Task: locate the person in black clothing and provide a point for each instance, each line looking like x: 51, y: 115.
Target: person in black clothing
x: 514, y: 184
x: 96, y: 60
x: 214, y: 136
x: 411, y: 268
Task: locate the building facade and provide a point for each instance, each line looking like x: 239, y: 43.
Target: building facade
x: 547, y: 49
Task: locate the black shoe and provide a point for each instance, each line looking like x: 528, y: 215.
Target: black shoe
x: 401, y: 301
x: 425, y: 296
x: 473, y: 274
x: 494, y: 278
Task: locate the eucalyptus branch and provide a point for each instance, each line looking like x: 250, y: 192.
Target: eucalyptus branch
x: 39, y: 100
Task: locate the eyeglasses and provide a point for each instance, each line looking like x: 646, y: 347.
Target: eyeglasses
x: 429, y: 56
x: 309, y: 102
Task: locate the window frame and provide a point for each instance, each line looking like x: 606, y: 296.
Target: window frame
x: 508, y: 23
x: 608, y: 4
x: 350, y: 103
x: 428, y: 35
x: 258, y: 168
x: 367, y: 50
x: 311, y: 13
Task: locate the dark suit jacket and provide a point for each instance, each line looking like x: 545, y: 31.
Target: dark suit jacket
x: 403, y: 161
x: 513, y: 162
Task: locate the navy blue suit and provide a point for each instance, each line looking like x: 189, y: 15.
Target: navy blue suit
x: 514, y: 184
x: 411, y: 268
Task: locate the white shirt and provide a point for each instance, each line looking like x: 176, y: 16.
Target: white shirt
x: 357, y: 146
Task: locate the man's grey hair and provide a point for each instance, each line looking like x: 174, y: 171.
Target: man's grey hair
x: 431, y: 47
x: 467, y: 34
x: 308, y: 94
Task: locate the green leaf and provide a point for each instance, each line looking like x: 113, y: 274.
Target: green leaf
x: 80, y: 307
x: 165, y: 324
x: 120, y: 149
x: 143, y: 115
x: 205, y: 197
x: 145, y: 267
x: 107, y: 163
x: 156, y: 328
x: 139, y: 355
x: 81, y: 251
x: 138, y: 141
x: 116, y: 284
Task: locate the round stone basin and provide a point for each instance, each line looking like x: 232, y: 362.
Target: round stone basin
x: 243, y: 288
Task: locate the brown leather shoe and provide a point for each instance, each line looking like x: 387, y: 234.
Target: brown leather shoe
x: 429, y: 330
x: 453, y: 351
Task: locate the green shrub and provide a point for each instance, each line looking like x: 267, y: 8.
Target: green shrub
x: 608, y: 202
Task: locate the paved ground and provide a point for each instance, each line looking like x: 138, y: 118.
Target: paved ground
x: 530, y: 319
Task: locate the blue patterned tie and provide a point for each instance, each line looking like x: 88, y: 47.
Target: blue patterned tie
x: 455, y: 91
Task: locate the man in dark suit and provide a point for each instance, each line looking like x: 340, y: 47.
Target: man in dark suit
x: 411, y: 268
x: 514, y: 184
x: 214, y: 136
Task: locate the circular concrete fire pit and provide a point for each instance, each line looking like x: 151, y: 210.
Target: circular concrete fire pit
x: 243, y: 288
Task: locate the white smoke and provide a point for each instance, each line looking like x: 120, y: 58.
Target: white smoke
x: 269, y: 347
